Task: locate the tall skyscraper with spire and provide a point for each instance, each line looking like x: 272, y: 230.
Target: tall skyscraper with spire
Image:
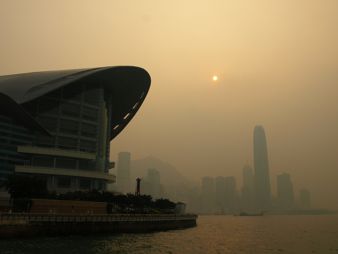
x: 261, y: 165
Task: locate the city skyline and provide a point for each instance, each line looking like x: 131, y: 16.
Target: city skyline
x: 222, y: 194
x: 119, y: 119
x: 276, y: 65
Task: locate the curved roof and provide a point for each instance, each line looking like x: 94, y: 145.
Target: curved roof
x: 128, y: 85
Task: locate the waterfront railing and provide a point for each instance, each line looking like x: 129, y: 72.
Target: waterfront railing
x: 25, y: 218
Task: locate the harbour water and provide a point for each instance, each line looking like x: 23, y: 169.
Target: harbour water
x: 214, y: 234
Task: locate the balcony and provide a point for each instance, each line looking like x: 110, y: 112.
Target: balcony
x: 65, y: 172
x: 56, y: 152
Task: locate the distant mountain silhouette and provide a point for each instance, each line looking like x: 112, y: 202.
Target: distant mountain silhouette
x: 168, y: 173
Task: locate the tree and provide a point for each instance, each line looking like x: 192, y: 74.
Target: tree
x: 26, y: 186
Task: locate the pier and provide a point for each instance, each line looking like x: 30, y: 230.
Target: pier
x: 29, y: 225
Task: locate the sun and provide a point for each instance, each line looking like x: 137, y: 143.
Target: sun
x: 215, y: 78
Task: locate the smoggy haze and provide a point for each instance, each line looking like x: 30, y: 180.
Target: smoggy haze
x: 277, y: 63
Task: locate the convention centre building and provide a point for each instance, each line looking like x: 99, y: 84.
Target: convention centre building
x: 59, y: 124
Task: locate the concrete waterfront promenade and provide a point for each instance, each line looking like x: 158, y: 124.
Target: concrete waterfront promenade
x: 28, y: 225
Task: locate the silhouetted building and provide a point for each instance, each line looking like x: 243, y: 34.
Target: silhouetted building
x: 123, y: 172
x: 59, y: 124
x: 152, y: 184
x: 207, y: 195
x: 261, y: 165
x: 231, y: 198
x: 220, y: 191
x: 285, y: 194
x: 247, y: 198
x: 305, y: 199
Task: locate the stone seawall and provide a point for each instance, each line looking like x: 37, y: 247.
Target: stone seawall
x: 28, y: 225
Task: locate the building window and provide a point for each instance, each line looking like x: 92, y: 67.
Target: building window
x: 64, y: 182
x: 87, y: 164
x: 70, y: 109
x: 65, y: 163
x: 89, y: 114
x: 85, y: 183
x: 67, y: 143
x: 45, y: 141
x: 100, y: 185
x: 88, y: 145
x: 43, y: 161
x: 50, y: 123
x: 69, y: 127
x: 89, y: 130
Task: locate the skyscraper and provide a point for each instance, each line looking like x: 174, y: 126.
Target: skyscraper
x: 247, y: 201
x: 231, y: 203
x: 152, y: 184
x: 220, y: 190
x: 305, y: 199
x: 261, y: 164
x: 208, y: 195
x: 285, y: 195
x: 123, y: 172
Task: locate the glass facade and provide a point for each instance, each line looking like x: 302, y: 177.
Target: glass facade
x: 72, y: 116
x: 12, y: 134
x: 77, y: 118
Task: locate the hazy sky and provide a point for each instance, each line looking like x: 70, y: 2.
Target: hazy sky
x: 277, y: 63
